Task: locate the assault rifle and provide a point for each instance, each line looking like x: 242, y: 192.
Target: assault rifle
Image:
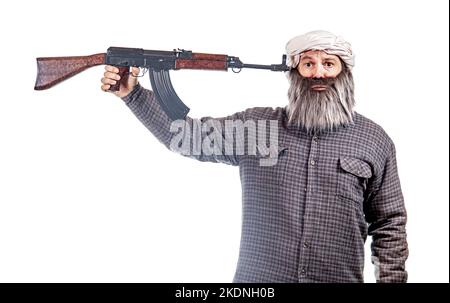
x: 52, y: 70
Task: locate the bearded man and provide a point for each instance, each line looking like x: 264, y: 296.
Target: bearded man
x: 334, y: 181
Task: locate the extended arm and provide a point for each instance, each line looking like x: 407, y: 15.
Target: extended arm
x: 202, y: 139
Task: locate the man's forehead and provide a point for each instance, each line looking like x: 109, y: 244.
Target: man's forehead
x: 317, y: 54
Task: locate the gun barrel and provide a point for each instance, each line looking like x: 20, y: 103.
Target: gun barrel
x: 236, y: 63
x: 272, y: 67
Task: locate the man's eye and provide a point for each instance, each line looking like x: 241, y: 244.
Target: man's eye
x: 308, y: 64
x: 329, y: 64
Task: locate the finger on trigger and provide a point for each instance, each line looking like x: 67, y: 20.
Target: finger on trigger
x: 135, y: 71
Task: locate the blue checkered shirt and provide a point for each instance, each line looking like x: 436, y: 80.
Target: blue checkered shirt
x: 306, y: 219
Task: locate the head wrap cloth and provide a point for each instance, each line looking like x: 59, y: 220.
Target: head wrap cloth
x: 319, y: 40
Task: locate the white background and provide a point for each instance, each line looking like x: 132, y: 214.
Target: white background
x: 87, y: 194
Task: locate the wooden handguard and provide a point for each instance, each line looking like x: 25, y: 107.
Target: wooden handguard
x: 203, y: 61
x: 52, y: 70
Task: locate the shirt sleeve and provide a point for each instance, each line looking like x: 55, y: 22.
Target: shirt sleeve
x: 386, y: 215
x: 201, y: 139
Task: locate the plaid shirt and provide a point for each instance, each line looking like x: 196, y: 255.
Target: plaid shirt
x: 306, y: 218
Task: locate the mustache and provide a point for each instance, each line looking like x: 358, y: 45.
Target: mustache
x: 319, y: 81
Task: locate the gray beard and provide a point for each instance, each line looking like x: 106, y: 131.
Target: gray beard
x: 321, y: 111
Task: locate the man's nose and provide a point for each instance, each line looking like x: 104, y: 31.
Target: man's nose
x: 319, y: 72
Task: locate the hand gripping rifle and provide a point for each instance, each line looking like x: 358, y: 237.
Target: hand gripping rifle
x: 52, y: 70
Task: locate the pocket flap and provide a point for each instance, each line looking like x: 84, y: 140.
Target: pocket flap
x: 356, y: 167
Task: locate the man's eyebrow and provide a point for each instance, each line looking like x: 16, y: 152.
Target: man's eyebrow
x: 306, y: 58
x: 312, y: 58
x: 330, y: 58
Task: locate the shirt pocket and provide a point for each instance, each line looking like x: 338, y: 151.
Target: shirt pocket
x: 353, y: 177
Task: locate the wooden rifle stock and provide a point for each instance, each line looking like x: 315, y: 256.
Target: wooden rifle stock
x: 52, y: 70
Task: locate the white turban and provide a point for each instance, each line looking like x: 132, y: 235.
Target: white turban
x: 319, y: 40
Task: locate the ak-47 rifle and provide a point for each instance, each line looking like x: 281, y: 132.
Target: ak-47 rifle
x: 52, y: 70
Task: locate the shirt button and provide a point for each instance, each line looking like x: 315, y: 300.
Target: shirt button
x: 313, y: 162
x: 316, y: 139
x: 303, y: 271
x: 306, y: 244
